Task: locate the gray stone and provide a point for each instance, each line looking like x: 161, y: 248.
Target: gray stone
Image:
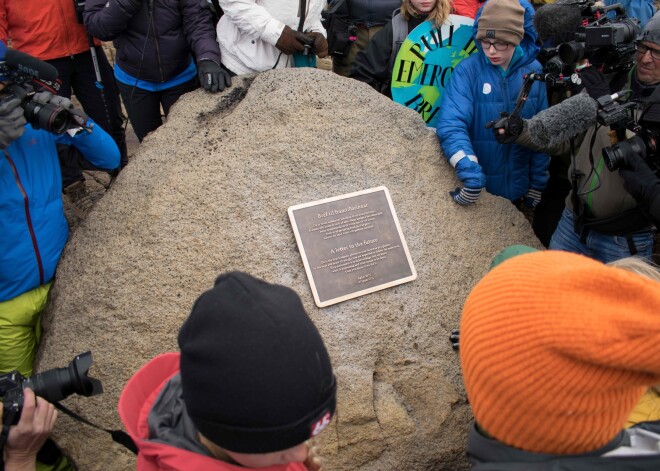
x: 209, y: 192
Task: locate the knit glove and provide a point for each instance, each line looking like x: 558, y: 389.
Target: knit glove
x: 320, y: 44
x: 12, y: 120
x: 78, y: 117
x: 640, y: 181
x: 291, y: 41
x: 473, y: 178
x: 212, y: 77
x: 532, y: 198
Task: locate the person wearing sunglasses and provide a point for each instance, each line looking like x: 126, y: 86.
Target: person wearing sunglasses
x: 482, y: 86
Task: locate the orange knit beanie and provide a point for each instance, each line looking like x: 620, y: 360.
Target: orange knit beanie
x: 557, y: 349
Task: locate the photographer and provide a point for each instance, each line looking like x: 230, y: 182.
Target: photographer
x: 51, y: 31
x: 32, y: 222
x: 29, y: 434
x: 258, y: 36
x: 609, y: 215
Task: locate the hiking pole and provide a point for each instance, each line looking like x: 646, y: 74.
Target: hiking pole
x: 100, y: 86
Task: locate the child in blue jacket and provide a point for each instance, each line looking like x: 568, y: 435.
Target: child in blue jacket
x: 482, y: 86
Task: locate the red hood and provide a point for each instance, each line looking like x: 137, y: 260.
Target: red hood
x: 135, y: 404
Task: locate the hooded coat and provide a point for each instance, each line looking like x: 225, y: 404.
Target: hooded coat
x: 476, y: 93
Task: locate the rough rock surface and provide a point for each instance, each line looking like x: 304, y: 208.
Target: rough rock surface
x: 209, y: 192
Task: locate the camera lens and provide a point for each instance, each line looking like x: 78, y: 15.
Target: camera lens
x: 59, y: 383
x: 48, y: 117
x: 617, y: 155
x: 572, y: 52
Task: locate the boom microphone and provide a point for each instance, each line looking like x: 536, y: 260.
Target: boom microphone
x: 557, y: 20
x: 29, y: 65
x: 563, y: 121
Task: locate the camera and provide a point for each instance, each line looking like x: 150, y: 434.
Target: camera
x: 53, y: 385
x: 22, y: 76
x: 647, y: 130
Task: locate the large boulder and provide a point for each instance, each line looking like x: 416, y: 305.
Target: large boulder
x: 209, y: 191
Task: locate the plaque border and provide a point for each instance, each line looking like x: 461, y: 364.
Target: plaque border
x: 355, y: 294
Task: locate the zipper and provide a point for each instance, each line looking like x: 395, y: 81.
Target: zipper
x: 28, y: 218
x: 153, y: 24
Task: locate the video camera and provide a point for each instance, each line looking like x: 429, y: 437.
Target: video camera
x: 587, y: 32
x: 53, y: 385
x: 647, y: 129
x: 25, y: 76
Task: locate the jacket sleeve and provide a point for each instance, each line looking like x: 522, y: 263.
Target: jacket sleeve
x: 456, y: 114
x: 540, y: 161
x: 199, y: 30
x: 371, y: 64
x: 107, y: 19
x: 253, y: 19
x: 313, y: 18
x: 97, y: 146
x: 4, y: 26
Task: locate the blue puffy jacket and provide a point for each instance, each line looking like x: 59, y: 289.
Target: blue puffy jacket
x: 476, y: 93
x: 32, y: 224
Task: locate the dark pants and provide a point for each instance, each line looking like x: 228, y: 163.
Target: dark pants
x: 143, y: 106
x: 103, y: 106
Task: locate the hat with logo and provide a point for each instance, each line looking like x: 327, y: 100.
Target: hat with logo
x: 255, y: 373
x: 556, y: 350
x: 502, y: 20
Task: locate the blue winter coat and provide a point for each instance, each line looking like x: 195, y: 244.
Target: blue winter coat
x: 154, y: 40
x: 32, y: 223
x: 476, y: 93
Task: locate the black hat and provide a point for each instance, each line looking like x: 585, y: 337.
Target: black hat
x: 651, y: 31
x: 255, y: 373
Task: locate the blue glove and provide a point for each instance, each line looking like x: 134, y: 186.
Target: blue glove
x: 532, y: 198
x: 470, y: 173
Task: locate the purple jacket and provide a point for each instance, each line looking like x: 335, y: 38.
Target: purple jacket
x: 154, y: 39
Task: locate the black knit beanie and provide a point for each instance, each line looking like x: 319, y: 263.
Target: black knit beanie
x: 255, y: 373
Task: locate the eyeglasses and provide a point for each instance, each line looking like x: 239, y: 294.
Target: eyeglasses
x: 641, y: 49
x: 498, y: 45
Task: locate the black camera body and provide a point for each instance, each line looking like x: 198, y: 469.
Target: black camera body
x: 621, y: 117
x: 23, y: 82
x: 53, y: 385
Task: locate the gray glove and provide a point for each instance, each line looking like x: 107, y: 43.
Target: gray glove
x: 12, y: 121
x: 43, y: 98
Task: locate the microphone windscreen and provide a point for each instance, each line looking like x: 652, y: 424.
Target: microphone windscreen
x: 30, y: 65
x: 563, y: 121
x: 556, y: 20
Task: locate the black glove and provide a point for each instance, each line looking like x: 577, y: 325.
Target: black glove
x: 12, y: 120
x: 507, y: 128
x: 212, y: 77
x: 320, y: 44
x: 640, y: 181
x: 291, y: 41
x: 455, y: 339
x: 594, y: 82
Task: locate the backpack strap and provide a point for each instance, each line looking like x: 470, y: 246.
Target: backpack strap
x: 399, y: 34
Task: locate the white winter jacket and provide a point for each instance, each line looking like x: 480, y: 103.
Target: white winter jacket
x: 249, y: 30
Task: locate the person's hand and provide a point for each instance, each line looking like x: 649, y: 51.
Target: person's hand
x: 291, y: 41
x: 594, y: 82
x: 465, y: 196
x: 455, y: 338
x: 320, y: 44
x: 640, y: 181
x: 45, y: 97
x: 12, y: 120
x: 29, y: 434
x: 472, y: 176
x: 507, y: 128
x: 212, y: 77
x: 532, y: 198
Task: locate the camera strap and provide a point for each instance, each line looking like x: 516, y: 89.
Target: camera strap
x: 118, y: 436
x: 303, y: 14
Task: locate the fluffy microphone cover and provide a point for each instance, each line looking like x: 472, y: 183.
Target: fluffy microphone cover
x: 557, y: 20
x: 563, y: 121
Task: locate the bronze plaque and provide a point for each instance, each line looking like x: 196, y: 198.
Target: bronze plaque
x: 351, y: 245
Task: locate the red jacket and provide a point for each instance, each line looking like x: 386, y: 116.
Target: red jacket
x: 45, y: 29
x: 135, y: 403
x: 467, y: 7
